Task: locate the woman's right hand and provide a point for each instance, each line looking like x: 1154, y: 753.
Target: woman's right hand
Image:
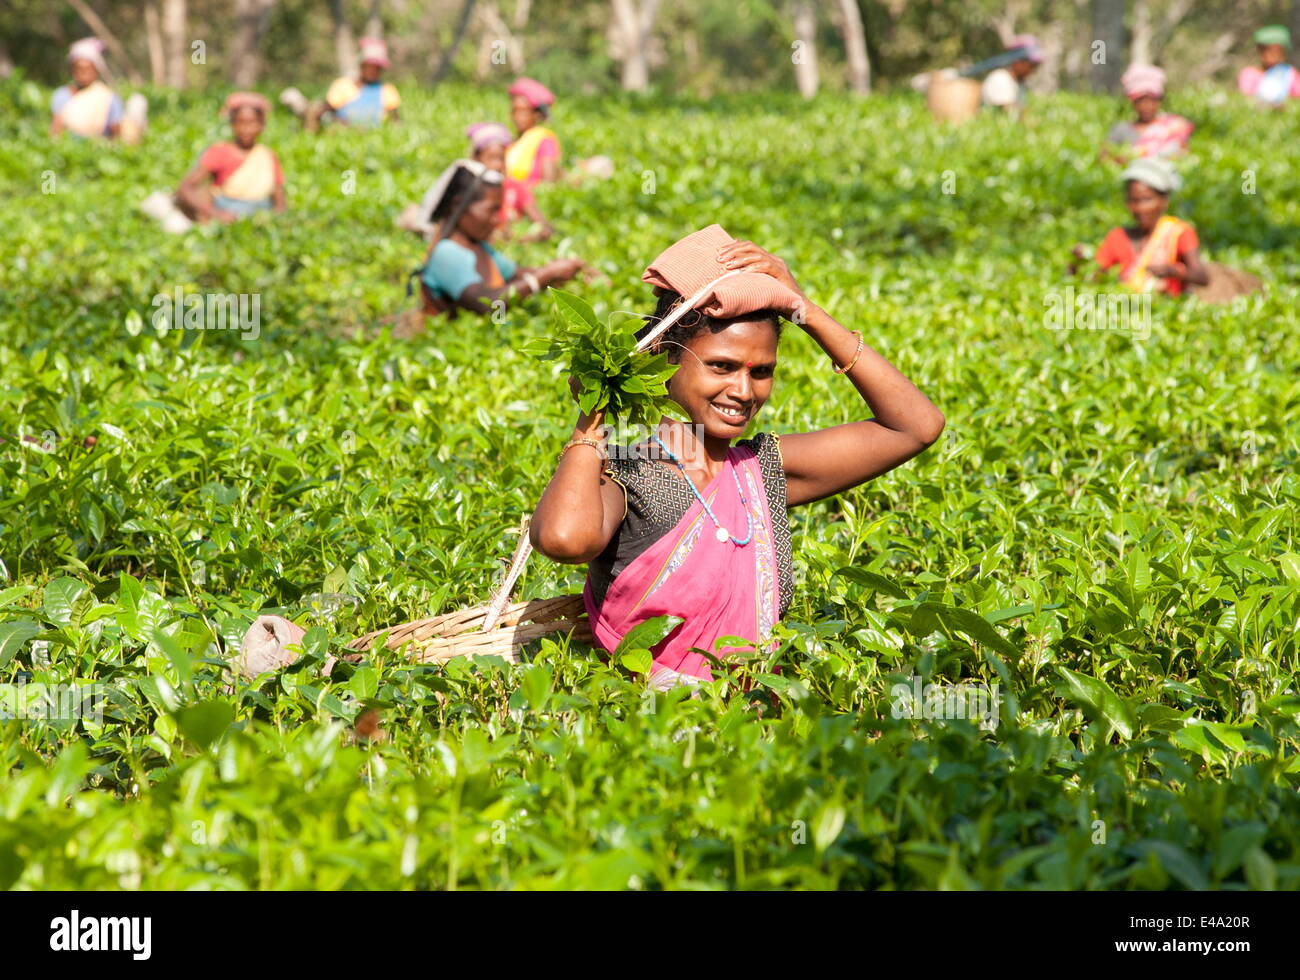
x: 561, y: 270
x: 590, y: 424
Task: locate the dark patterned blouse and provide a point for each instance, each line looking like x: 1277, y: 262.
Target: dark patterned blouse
x: 658, y: 498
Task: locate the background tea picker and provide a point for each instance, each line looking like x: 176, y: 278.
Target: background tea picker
x: 232, y: 179
x: 88, y: 107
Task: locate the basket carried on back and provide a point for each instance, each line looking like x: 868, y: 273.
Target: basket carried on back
x: 952, y: 99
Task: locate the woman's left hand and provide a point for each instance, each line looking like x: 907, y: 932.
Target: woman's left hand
x: 749, y: 257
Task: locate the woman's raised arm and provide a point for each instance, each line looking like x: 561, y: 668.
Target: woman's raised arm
x: 830, y: 461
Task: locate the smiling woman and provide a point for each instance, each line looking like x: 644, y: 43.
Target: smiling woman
x: 688, y: 524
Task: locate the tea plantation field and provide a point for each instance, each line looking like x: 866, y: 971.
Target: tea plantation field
x: 1106, y: 531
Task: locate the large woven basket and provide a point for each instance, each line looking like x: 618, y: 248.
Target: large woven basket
x: 460, y: 633
x: 952, y: 99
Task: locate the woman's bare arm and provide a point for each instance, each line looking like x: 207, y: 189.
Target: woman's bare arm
x: 905, y: 422
x: 581, y: 509
x: 193, y: 193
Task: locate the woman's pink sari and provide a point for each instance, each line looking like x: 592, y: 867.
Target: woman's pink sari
x: 719, y: 588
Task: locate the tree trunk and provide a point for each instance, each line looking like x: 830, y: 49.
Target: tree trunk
x: 101, y: 31
x: 1108, y: 28
x: 6, y: 62
x: 630, y: 30
x: 855, y: 47
x: 804, y: 53
x: 496, y: 31
x: 522, y: 9
x: 154, y: 42
x: 345, y: 45
x: 448, y: 56
x: 1139, y: 48
x: 175, y: 42
x: 246, y: 52
x: 375, y: 20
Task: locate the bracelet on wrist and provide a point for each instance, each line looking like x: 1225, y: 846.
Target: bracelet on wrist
x: 595, y: 444
x: 856, y: 354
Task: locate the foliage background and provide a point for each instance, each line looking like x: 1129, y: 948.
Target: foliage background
x: 1107, y: 528
x: 700, y: 46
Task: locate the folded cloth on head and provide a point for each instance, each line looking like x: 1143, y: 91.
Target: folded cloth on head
x: 1140, y: 80
x: 250, y: 100
x: 537, y: 94
x: 691, y: 265
x: 88, y: 49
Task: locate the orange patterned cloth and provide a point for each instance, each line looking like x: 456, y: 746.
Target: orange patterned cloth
x: 692, y: 264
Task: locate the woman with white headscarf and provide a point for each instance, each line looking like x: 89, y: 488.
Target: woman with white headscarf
x: 86, y: 107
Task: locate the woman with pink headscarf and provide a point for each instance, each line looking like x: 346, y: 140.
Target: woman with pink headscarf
x: 1153, y: 133
x: 691, y: 523
x: 1004, y: 87
x: 534, y: 157
x: 489, y: 144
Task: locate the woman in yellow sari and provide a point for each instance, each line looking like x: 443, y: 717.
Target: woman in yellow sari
x: 534, y: 157
x: 235, y: 179
x: 87, y: 107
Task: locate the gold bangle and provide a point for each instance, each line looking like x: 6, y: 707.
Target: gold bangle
x: 595, y: 444
x: 858, y: 353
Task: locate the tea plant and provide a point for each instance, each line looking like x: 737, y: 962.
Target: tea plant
x: 1107, y: 530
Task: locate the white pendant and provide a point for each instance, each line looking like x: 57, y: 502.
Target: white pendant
x: 723, y: 534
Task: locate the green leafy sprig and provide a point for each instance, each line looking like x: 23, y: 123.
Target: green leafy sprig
x: 629, y: 385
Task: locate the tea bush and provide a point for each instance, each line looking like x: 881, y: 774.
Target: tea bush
x: 1106, y: 531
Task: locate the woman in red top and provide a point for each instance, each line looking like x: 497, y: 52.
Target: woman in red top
x: 1158, y: 252
x: 235, y: 179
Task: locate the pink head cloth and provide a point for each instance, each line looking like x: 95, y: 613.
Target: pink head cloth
x: 1143, y: 80
x: 483, y: 134
x: 88, y: 49
x: 249, y: 100
x: 692, y: 265
x: 376, y: 51
x: 535, y: 92
x: 1033, y: 50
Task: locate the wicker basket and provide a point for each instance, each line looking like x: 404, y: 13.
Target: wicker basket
x: 1226, y: 284
x: 952, y: 99
x: 460, y: 633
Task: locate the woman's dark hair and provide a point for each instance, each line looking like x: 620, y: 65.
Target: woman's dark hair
x: 461, y: 184
x: 693, y: 323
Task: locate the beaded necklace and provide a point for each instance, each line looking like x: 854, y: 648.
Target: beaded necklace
x: 722, y: 533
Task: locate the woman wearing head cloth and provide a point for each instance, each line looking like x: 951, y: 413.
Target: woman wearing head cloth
x: 534, y: 157
x: 692, y: 522
x: 1152, y: 133
x: 366, y: 100
x: 1158, y: 252
x: 1272, y: 81
x: 489, y: 143
x: 87, y: 107
x: 461, y: 271
x: 236, y: 178
x: 1004, y: 88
